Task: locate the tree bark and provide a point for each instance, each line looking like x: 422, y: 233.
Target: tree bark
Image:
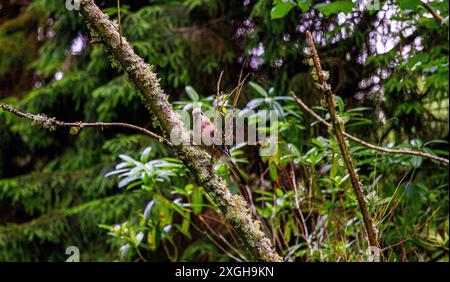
x: 194, y: 158
x: 338, y: 126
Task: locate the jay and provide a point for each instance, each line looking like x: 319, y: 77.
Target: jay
x: 208, y: 136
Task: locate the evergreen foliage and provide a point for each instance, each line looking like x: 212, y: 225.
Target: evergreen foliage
x: 120, y: 196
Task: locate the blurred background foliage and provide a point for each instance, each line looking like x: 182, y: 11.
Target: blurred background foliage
x: 120, y: 196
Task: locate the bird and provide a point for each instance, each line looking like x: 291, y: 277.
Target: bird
x: 208, y: 135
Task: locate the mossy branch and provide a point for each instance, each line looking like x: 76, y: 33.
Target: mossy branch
x: 310, y: 112
x: 52, y: 123
x: 194, y: 158
x: 338, y: 129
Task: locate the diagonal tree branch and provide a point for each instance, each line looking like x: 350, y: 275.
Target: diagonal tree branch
x: 194, y: 158
x: 338, y: 126
x: 309, y: 111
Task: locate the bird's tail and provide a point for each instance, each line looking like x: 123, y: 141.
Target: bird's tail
x: 243, y: 185
x: 237, y: 173
x: 234, y: 168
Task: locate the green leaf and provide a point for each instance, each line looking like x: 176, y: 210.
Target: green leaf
x: 193, y: 95
x: 197, y: 200
x: 281, y: 9
x: 408, y: 4
x: 417, y: 161
x: 417, y: 60
x: 335, y: 7
x: 304, y: 5
x: 152, y: 239
x: 435, y: 142
x: 258, y: 89
x: 273, y: 171
x: 184, y: 227
x: 340, y: 104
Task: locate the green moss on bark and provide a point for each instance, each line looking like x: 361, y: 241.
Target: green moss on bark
x: 195, y: 159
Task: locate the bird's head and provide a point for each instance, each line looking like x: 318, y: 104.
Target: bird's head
x: 197, y: 112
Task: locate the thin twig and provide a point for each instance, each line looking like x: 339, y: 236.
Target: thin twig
x: 198, y: 28
x: 427, y: 6
x: 364, y: 143
x: 52, y: 123
x: 119, y: 18
x: 338, y: 127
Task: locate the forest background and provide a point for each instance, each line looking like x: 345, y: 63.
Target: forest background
x: 119, y: 195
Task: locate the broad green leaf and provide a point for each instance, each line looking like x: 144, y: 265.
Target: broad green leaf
x: 335, y: 7
x: 408, y: 4
x: 304, y: 5
x: 281, y: 9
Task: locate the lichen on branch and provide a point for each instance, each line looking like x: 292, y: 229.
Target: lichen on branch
x: 321, y: 78
x: 195, y: 159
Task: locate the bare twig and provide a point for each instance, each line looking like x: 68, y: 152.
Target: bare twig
x: 364, y: 143
x: 52, y: 123
x: 435, y: 14
x: 119, y: 18
x: 338, y: 127
x: 197, y: 28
